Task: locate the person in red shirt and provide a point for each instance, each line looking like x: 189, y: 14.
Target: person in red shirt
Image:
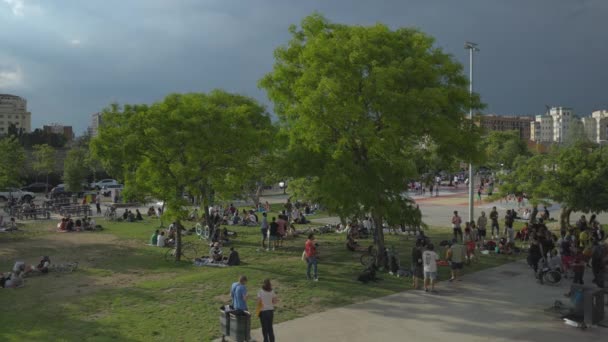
x: 310, y: 251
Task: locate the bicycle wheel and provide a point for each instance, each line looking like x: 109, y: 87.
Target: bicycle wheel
x: 189, y: 252
x: 552, y: 277
x: 367, y: 259
x: 170, y: 255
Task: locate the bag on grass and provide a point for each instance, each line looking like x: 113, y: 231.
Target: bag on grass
x: 304, y: 256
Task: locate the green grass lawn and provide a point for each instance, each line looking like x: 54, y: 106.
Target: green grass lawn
x: 126, y: 291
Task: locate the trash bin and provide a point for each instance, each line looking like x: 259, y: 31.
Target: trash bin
x: 240, y: 326
x: 224, y: 322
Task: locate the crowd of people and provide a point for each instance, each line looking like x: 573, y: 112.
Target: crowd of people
x: 69, y: 224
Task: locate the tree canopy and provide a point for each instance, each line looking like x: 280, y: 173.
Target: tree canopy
x: 574, y: 176
x: 44, y: 160
x: 75, y: 170
x: 503, y: 147
x: 359, y: 103
x: 12, y: 157
x: 187, y: 143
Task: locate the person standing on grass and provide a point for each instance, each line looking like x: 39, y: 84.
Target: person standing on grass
x: 281, y: 229
x: 456, y: 225
x: 455, y: 255
x: 98, y: 203
x: 417, y: 267
x: 264, y: 229
x: 429, y: 261
x: 266, y: 301
x: 495, y: 225
x: 310, y: 251
x: 273, y: 234
x: 482, y: 222
x: 238, y: 293
x: 509, y: 218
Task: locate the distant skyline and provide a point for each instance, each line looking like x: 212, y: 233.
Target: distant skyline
x: 72, y: 58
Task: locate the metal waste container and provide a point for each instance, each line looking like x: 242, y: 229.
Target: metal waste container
x: 240, y: 326
x: 224, y: 322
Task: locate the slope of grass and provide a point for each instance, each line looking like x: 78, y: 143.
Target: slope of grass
x: 125, y: 290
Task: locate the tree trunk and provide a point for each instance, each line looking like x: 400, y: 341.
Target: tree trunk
x: 564, y: 219
x: 256, y: 196
x: 379, y: 239
x: 178, y: 240
x: 46, y: 186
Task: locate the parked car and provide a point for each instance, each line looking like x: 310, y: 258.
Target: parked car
x: 104, y: 182
x: 38, y: 187
x: 18, y: 194
x: 59, y: 192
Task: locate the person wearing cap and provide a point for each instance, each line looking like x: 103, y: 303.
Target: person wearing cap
x: 215, y: 254
x: 455, y: 255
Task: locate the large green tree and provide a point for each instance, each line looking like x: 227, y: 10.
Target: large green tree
x: 358, y: 103
x: 575, y: 176
x: 503, y: 147
x: 12, y: 161
x: 74, y: 169
x: 185, y: 144
x: 44, y: 161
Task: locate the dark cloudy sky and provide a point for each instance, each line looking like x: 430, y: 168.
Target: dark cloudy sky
x: 71, y: 58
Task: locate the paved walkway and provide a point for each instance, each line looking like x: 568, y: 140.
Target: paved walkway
x: 499, y: 304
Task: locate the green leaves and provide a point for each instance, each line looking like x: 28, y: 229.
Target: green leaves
x: 358, y: 102
x: 503, y: 147
x: 12, y: 157
x: 75, y: 169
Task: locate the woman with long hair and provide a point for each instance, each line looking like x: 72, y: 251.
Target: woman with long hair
x: 266, y: 301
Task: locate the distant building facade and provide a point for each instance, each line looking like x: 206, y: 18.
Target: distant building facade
x: 66, y: 131
x: 552, y: 126
x: 96, y: 121
x: 596, y: 126
x: 493, y: 122
x: 13, y: 110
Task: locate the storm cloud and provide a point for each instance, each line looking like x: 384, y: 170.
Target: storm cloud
x: 71, y: 58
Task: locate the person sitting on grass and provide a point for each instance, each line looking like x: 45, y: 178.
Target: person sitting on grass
x: 233, y: 258
x: 12, y: 225
x: 154, y: 238
x: 69, y: 226
x: 78, y: 226
x: 151, y: 212
x: 125, y: 215
x: 215, y: 253
x: 523, y: 234
x: 11, y: 280
x: 160, y: 240
x: 138, y: 215
x: 43, y: 265
x: 352, y: 244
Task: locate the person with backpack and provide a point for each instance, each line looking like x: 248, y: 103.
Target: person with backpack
x: 495, y: 225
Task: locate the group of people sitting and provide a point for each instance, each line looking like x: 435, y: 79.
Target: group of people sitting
x: 216, y: 255
x: 14, y: 278
x: 152, y: 212
x: 130, y: 216
x: 67, y: 224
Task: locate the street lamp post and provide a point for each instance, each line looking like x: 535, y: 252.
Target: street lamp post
x: 472, y: 47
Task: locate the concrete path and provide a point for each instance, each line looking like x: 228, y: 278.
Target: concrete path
x: 499, y: 304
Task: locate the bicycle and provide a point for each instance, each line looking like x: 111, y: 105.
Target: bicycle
x: 369, y: 257
x: 202, y: 231
x: 110, y: 214
x: 67, y: 267
x: 188, y: 253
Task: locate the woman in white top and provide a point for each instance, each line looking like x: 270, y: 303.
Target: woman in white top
x: 267, y: 299
x: 160, y: 242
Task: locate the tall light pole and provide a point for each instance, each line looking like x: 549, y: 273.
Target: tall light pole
x: 472, y: 47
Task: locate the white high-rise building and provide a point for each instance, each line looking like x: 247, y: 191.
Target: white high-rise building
x: 13, y: 110
x: 562, y: 118
x: 96, y: 120
x: 541, y: 129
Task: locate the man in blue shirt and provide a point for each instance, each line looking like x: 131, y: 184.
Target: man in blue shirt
x: 238, y: 293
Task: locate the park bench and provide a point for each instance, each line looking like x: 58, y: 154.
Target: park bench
x: 34, y: 214
x: 76, y: 210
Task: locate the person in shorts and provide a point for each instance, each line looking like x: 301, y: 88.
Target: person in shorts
x: 457, y: 225
x: 455, y: 255
x: 429, y: 264
x: 264, y: 230
x: 417, y: 267
x: 273, y: 234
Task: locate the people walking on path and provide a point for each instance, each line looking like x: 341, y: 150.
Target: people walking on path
x: 457, y: 225
x: 98, y: 203
x: 266, y: 302
x: 429, y: 260
x: 310, y: 251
